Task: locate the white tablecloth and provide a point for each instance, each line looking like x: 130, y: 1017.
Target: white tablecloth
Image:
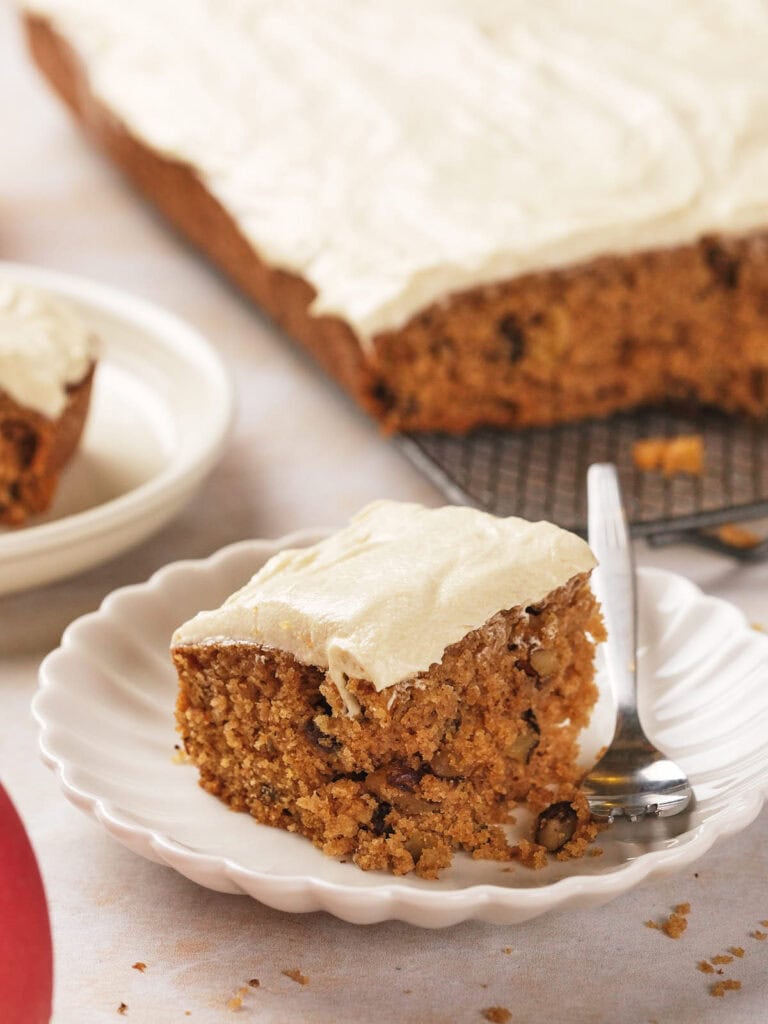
x: 301, y: 455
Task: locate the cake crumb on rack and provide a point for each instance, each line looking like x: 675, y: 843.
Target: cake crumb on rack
x: 122, y: 1009
x: 736, y: 950
x: 673, y: 456
x: 721, y: 958
x: 736, y: 536
x: 139, y: 966
x: 757, y: 934
x: 706, y: 967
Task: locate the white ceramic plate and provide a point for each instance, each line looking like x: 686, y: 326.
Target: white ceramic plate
x: 105, y: 709
x: 160, y: 411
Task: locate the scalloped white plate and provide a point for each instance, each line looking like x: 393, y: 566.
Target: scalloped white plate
x: 105, y: 710
x: 160, y: 412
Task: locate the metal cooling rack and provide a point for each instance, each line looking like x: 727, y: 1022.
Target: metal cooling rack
x: 541, y: 473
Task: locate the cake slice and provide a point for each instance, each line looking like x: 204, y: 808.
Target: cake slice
x: 393, y: 691
x: 47, y: 361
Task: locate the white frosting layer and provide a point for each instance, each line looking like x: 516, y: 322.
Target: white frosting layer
x: 44, y: 346
x: 394, y: 152
x: 383, y: 598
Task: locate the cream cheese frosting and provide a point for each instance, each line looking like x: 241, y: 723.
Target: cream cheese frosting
x: 394, y: 153
x: 44, y: 347
x: 383, y: 598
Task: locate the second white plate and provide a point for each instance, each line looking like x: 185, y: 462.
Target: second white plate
x: 105, y: 709
x: 160, y: 411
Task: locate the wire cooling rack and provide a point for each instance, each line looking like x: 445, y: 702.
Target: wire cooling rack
x: 541, y: 473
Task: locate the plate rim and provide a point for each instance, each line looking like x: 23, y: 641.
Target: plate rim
x: 175, y: 335
x: 379, y: 900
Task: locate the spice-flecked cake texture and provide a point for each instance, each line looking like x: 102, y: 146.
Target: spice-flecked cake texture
x: 392, y: 692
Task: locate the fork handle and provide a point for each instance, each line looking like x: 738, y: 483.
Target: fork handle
x: 615, y: 588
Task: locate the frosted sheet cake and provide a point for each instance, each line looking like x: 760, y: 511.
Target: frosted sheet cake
x: 470, y: 212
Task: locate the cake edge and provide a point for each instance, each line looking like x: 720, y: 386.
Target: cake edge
x: 370, y: 377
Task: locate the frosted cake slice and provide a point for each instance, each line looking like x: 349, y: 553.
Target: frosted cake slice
x: 47, y: 360
x: 392, y: 692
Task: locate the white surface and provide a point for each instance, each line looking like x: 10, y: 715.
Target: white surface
x: 106, y: 716
x: 161, y: 407
x: 402, y: 151
x: 300, y: 454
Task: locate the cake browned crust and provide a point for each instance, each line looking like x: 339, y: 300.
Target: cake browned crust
x: 686, y: 324
x: 35, y: 449
x: 435, y: 767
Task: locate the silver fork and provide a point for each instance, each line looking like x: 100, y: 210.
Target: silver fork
x: 632, y: 778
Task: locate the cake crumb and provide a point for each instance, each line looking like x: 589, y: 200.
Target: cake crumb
x: 759, y: 627
x: 736, y: 950
x: 762, y: 936
x: 721, y: 987
x: 705, y: 967
x: 236, y: 1002
x: 722, y: 958
x: 139, y: 966
x: 254, y: 982
x: 651, y: 924
x: 736, y: 536
x: 295, y: 975
x: 674, y: 926
x: 122, y: 1009
x: 764, y: 924
x: 507, y: 949
x: 682, y: 908
x: 672, y: 455
x: 497, y: 1014
x: 595, y: 851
